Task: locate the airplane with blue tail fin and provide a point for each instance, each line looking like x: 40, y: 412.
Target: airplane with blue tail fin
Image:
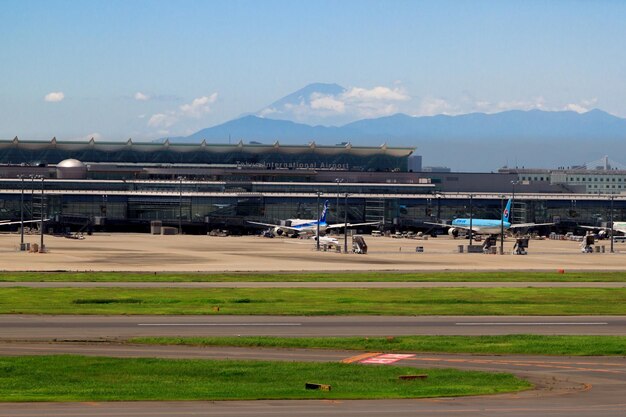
x: 308, y: 226
x: 487, y: 226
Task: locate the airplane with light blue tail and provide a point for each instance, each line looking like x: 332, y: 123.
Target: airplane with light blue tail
x: 296, y: 227
x: 487, y: 226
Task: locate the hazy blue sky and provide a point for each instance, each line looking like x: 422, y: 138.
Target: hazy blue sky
x: 145, y: 69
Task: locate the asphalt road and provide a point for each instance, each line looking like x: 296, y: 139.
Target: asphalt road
x: 565, y: 386
x: 313, y: 284
x: 81, y: 327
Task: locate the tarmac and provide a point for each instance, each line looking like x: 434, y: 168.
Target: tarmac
x: 199, y: 253
x: 564, y: 386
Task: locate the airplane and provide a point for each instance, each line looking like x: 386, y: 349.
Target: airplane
x: 618, y: 227
x: 487, y: 226
x: 294, y: 227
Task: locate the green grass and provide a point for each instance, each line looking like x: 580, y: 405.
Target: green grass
x: 79, y: 378
x: 509, y: 344
x: 305, y: 301
x: 383, y: 276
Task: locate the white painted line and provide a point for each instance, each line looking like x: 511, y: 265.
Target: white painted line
x: 532, y: 324
x: 219, y: 324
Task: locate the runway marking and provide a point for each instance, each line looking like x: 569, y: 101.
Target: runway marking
x: 531, y: 324
x: 386, y: 359
x: 360, y: 357
x: 220, y: 324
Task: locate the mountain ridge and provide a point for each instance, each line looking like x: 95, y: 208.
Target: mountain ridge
x: 471, y: 141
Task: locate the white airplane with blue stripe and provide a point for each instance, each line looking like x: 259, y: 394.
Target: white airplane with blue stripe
x: 487, y: 226
x: 308, y: 226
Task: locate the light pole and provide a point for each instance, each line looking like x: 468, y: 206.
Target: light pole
x: 471, y: 196
x: 180, y: 205
x: 318, y: 221
x: 337, y: 180
x: 32, y: 197
x: 502, y: 225
x: 43, y: 205
x: 513, y: 183
x: 611, y: 220
x: 345, y: 224
x: 22, y: 247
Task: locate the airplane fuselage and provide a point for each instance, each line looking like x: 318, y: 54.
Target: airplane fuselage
x: 301, y: 226
x: 482, y: 226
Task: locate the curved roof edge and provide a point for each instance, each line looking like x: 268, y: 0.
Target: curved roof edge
x: 311, y: 147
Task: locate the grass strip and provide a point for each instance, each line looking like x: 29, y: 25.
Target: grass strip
x: 80, y: 378
x: 508, y: 344
x: 306, y: 301
x: 382, y: 276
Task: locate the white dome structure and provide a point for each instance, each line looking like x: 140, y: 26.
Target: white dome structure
x: 71, y: 169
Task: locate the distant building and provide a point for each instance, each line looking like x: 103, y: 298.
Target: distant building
x: 415, y: 163
x: 576, y: 180
x: 436, y: 169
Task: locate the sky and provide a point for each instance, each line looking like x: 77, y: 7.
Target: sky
x: 140, y: 69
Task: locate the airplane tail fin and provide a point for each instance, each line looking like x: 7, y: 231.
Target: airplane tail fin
x: 323, y: 217
x: 506, y: 215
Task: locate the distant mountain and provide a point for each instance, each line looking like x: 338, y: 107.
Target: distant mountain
x: 253, y: 128
x: 507, y: 126
x: 303, y: 96
x: 298, y: 106
x: 473, y: 142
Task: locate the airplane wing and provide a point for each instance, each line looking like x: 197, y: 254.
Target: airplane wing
x: 522, y: 225
x: 340, y: 225
x: 440, y: 224
x: 276, y: 225
x: 607, y: 229
x: 451, y: 225
x: 6, y: 222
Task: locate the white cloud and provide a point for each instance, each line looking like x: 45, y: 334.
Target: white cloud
x: 198, y: 106
x: 537, y: 103
x: 139, y: 96
x: 162, y: 120
x: 320, y: 102
x: 375, y: 94
x: 54, y: 97
x: 353, y: 103
x: 267, y: 111
x: 582, y: 107
x: 431, y: 106
x: 196, y: 109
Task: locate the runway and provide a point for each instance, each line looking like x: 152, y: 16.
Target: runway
x: 68, y: 327
x: 565, y: 386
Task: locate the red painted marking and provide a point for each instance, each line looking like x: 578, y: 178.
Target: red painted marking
x: 386, y: 359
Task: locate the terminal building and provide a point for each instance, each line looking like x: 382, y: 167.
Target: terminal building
x: 123, y: 186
